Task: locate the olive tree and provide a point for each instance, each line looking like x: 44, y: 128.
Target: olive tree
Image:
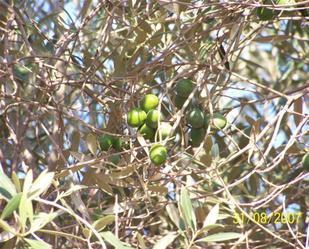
x: 218, y: 157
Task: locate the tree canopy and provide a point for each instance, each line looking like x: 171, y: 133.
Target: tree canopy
x: 154, y: 124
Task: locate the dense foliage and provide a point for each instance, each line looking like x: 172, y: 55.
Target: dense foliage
x: 218, y: 160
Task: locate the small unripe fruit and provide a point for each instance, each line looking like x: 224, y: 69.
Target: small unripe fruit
x: 265, y: 13
x: 20, y: 72
x: 179, y: 101
x: 106, y: 142
x: 206, y: 121
x: 149, y: 102
x: 153, y: 118
x: 283, y: 2
x: 147, y: 132
x: 164, y: 131
x: 197, y: 136
x: 117, y: 143
x: 158, y: 154
x: 196, y: 118
x: 114, y: 159
x: 136, y: 117
x: 184, y: 87
x: 219, y: 121
x: 305, y: 162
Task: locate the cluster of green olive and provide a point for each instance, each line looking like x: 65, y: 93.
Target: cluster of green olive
x: 195, y: 117
x: 148, y: 120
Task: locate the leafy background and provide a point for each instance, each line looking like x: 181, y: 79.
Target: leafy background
x: 71, y: 70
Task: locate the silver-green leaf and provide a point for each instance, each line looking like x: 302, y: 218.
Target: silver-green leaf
x: 165, y: 241
x: 187, y: 209
x: 218, y: 237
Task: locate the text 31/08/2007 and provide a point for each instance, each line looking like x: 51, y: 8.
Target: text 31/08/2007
x: 263, y: 218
